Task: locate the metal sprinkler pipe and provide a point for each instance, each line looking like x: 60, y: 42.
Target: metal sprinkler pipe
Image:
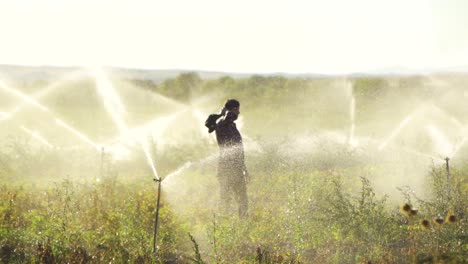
x: 156, y: 220
x: 447, y: 173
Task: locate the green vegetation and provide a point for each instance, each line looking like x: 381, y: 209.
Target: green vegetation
x: 315, y: 216
x: 312, y: 197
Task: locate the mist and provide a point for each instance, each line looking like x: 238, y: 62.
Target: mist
x: 92, y: 125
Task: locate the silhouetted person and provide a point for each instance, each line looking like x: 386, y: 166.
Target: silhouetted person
x: 232, y: 172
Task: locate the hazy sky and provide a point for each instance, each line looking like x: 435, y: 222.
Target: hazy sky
x: 328, y: 36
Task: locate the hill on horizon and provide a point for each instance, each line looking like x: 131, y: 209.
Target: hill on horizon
x: 34, y: 73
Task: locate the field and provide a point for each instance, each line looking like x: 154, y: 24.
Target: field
x: 343, y: 170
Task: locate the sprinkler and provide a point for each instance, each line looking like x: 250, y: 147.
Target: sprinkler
x: 447, y: 171
x: 116, y: 109
x: 156, y: 218
x: 159, y: 181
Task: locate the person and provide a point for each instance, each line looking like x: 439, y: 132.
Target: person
x: 232, y: 172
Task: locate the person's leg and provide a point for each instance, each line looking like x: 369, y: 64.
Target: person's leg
x: 225, y: 193
x: 240, y: 192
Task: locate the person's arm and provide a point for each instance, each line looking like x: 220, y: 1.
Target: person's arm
x: 230, y: 117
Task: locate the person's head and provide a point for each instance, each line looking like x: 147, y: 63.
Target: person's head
x: 232, y: 105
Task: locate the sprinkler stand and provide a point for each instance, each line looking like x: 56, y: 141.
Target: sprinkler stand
x: 156, y: 220
x: 447, y: 171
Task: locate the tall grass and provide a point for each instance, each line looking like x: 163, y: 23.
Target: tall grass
x: 298, y: 213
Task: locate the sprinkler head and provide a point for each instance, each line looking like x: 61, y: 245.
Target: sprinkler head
x: 157, y: 179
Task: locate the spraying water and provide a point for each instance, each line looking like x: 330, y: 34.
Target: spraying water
x: 201, y: 119
x: 154, y: 127
x: 58, y: 121
x: 352, y: 113
x: 397, y: 130
x: 43, y: 93
x: 352, y: 141
x: 187, y: 166
x: 179, y: 170
x: 145, y: 146
x: 190, y: 164
x: 37, y: 136
x: 166, y: 99
x: 111, y: 99
x: 77, y: 133
x: 460, y: 144
x: 27, y: 99
x: 446, y: 115
x: 116, y: 110
x: 439, y: 138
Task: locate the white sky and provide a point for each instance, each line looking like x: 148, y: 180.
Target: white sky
x: 328, y: 36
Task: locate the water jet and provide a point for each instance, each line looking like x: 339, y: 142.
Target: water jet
x: 37, y: 136
x: 44, y: 92
x: 352, y: 116
x: 24, y: 97
x: 442, y: 143
x: 77, y: 133
x: 397, y: 130
x: 116, y: 110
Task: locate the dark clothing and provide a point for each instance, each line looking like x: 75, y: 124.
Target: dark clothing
x: 226, y: 131
x: 210, y: 122
x: 231, y: 166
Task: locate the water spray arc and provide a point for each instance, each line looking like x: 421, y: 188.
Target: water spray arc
x: 27, y: 99
x: 43, y: 93
x: 352, y: 141
x: 159, y: 182
x: 440, y: 139
x: 398, y: 129
x: 116, y: 110
x: 114, y: 106
x: 448, y: 116
x: 37, y: 136
x: 460, y: 144
x: 77, y: 134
